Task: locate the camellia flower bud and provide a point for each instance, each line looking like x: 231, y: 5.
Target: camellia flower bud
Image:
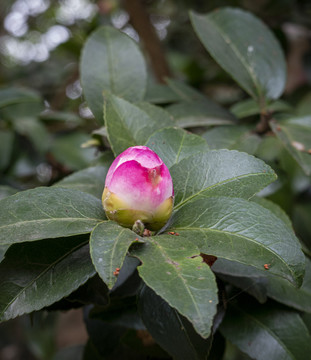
x: 138, y: 186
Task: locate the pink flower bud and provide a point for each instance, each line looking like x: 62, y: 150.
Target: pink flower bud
x: 138, y: 187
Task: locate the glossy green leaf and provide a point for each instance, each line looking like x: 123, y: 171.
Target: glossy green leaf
x: 199, y: 113
x: 219, y: 172
x: 283, y: 292
x: 238, y: 137
x: 243, y: 231
x: 295, y: 134
x: 128, y: 282
x: 109, y: 245
x: 35, y: 275
x: 111, y: 61
x: 247, y: 278
x: 274, y: 208
x: 48, y: 213
x: 169, y: 329
x: 250, y: 107
x: 129, y: 125
x: 173, y: 144
x: 245, y: 48
x: 171, y: 266
x: 260, y: 283
x: 10, y: 96
x: 267, y: 332
x: 90, y: 180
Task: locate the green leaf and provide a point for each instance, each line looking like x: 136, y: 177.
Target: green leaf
x: 173, y: 145
x: 237, y: 137
x: 195, y: 109
x: 3, y: 249
x: 270, y: 149
x: 156, y: 113
x: 307, y: 320
x: 245, y: 277
x: 10, y: 96
x: 169, y: 329
x: 243, y: 231
x: 184, y: 91
x: 24, y: 119
x: 109, y: 245
x: 90, y: 180
x: 111, y: 61
x: 32, y: 128
x: 128, y: 282
x: 250, y: 107
x: 6, y: 191
x: 129, y: 125
x: 20, y: 112
x: 159, y: 93
x: 301, y: 220
x: 105, y: 159
x: 104, y: 340
x: 121, y: 311
x: 267, y: 332
x: 171, y: 266
x: 67, y: 150
x: 35, y: 275
x: 48, y: 213
x: 199, y: 113
x: 244, y: 47
x: 295, y: 134
x: 304, y: 106
x: 6, y: 147
x: 260, y: 283
x: 275, y: 209
x: 219, y: 172
x: 69, y: 118
x: 283, y: 292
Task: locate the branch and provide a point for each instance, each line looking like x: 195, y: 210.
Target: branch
x: 263, y: 125
x: 140, y: 20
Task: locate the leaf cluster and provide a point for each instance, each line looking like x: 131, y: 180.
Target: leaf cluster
x: 228, y: 268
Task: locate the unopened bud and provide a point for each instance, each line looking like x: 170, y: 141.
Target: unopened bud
x: 138, y: 187
x: 138, y: 227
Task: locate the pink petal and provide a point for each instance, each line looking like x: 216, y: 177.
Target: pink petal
x: 141, y: 187
x: 142, y: 154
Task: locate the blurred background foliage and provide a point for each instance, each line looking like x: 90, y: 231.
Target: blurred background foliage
x: 46, y: 127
